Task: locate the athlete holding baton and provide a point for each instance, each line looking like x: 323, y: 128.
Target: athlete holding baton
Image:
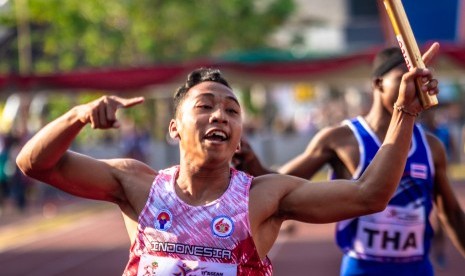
x: 202, y: 214
x: 397, y: 240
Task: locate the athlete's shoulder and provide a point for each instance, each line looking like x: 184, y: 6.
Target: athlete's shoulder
x: 132, y: 166
x: 334, y: 134
x: 437, y: 147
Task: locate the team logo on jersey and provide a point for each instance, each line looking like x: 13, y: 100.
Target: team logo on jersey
x: 419, y: 171
x: 222, y: 226
x: 163, y: 220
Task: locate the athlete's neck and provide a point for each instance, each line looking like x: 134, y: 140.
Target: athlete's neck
x: 199, y: 187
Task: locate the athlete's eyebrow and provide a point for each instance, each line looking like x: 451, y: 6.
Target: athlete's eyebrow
x: 234, y: 100
x: 212, y: 95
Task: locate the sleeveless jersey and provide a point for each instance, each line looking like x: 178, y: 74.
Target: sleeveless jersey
x: 395, y: 241
x: 175, y: 238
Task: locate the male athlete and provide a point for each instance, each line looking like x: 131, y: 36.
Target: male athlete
x: 202, y: 215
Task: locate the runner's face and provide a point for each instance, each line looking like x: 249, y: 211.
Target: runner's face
x: 209, y: 124
x: 390, y: 86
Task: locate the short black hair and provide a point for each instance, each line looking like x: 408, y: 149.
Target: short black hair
x: 195, y: 77
x: 386, y: 60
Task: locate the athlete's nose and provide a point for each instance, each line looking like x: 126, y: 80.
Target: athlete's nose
x: 218, y: 116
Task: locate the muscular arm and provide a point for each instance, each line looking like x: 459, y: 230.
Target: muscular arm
x: 46, y: 156
x: 448, y: 207
x: 341, y: 199
x: 275, y: 198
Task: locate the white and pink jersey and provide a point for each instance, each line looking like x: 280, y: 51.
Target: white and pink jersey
x: 175, y: 238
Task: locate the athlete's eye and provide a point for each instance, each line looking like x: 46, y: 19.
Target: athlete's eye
x: 232, y: 110
x: 204, y: 106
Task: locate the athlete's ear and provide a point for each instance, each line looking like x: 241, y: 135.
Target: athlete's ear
x: 377, y: 83
x: 173, y: 129
x: 238, y: 147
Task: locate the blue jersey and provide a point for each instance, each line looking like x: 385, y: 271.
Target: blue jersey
x: 396, y: 240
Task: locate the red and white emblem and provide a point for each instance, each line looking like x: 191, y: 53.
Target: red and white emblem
x: 222, y: 226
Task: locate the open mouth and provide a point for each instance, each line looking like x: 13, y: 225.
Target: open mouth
x: 216, y: 135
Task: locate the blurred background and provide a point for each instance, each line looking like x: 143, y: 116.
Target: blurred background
x: 296, y: 65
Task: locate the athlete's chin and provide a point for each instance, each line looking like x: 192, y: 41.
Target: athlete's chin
x: 217, y: 147
x: 217, y: 150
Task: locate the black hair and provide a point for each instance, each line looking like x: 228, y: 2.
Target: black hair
x: 195, y: 77
x: 386, y: 60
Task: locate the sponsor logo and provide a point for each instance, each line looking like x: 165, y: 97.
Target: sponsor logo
x: 403, y: 215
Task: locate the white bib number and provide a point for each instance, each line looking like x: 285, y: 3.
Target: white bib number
x: 395, y: 232
x: 153, y: 265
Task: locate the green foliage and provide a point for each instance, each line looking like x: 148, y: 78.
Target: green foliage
x: 93, y: 33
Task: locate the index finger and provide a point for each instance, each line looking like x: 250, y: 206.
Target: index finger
x: 123, y: 102
x: 431, y: 53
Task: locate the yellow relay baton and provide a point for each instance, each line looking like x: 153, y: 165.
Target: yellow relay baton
x: 408, y: 45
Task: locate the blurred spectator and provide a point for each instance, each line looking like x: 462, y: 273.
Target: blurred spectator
x: 13, y: 183
x: 4, y: 153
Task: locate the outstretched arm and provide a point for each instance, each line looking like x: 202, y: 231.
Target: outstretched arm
x: 46, y: 157
x: 275, y: 197
x: 336, y: 200
x: 343, y: 199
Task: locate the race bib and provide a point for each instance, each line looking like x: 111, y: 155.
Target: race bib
x: 154, y: 265
x: 395, y: 232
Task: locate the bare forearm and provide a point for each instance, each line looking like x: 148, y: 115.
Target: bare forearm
x: 48, y: 146
x: 380, y: 180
